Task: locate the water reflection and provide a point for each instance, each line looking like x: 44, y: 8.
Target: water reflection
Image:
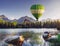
x: 11, y: 32
x: 35, y: 30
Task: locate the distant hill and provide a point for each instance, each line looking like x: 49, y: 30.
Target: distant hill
x: 28, y: 22
x: 3, y: 17
x: 25, y: 18
x: 20, y: 20
x: 13, y: 20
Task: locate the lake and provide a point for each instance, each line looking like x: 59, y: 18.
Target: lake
x: 9, y: 32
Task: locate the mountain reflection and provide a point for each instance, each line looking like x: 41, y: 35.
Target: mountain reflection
x: 4, y: 33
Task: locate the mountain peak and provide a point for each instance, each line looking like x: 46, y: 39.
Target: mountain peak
x: 2, y: 16
x: 25, y: 18
x: 20, y: 20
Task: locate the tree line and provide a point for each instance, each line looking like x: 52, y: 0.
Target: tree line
x: 39, y: 24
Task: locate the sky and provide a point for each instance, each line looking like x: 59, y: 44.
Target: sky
x: 14, y: 9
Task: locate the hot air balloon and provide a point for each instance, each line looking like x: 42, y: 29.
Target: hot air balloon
x: 37, y: 10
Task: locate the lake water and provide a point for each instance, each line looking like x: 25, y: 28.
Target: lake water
x: 4, y: 32
x: 31, y: 29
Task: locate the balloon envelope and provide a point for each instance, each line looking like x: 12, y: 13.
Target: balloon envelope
x: 37, y: 10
